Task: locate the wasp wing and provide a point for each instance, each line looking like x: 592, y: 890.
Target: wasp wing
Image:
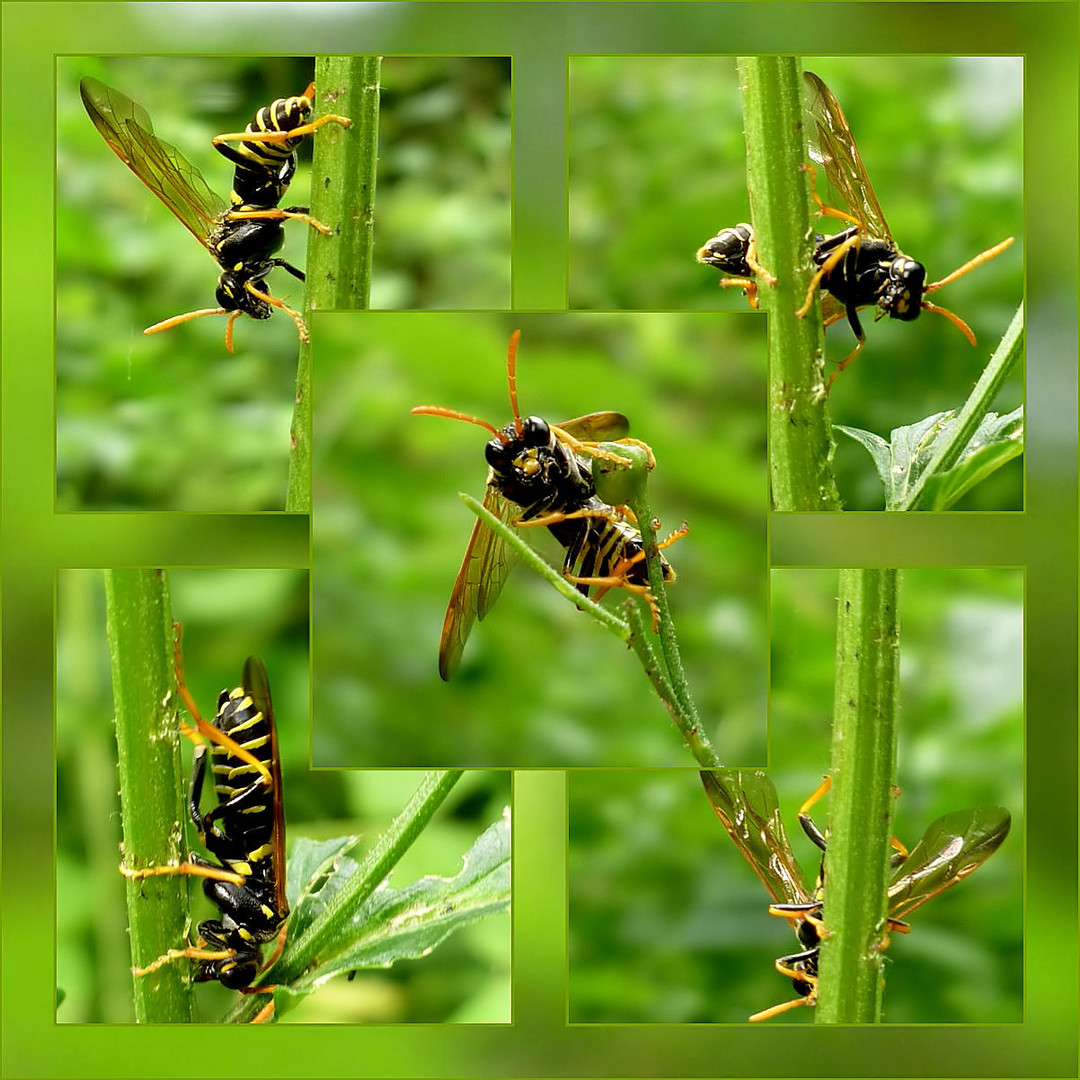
x: 951, y: 848
x: 597, y: 427
x: 257, y: 686
x: 127, y: 128
x: 833, y: 147
x: 745, y: 802
x: 482, y: 575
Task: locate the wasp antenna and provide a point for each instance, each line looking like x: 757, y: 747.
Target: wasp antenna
x: 176, y: 320
x: 953, y: 318
x: 511, y: 377
x: 978, y: 260
x: 309, y: 93
x: 453, y: 414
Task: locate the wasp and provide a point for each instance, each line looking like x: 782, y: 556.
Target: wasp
x: 732, y: 251
x: 244, y: 236
x: 541, y: 475
x: 244, y: 831
x: 862, y: 265
x: 952, y: 847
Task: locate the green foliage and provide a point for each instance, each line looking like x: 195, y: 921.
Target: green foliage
x: 903, y: 460
x: 392, y: 924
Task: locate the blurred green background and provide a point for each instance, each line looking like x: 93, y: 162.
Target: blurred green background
x: 657, y: 167
x: 173, y: 421
x: 540, y: 684
x: 467, y: 979
x: 667, y: 920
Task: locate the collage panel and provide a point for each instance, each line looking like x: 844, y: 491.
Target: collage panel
x: 669, y: 919
x: 310, y: 882
x: 536, y: 683
x: 198, y: 415
x: 932, y: 187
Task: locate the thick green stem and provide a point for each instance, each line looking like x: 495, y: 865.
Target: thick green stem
x: 863, y: 766
x: 150, y: 773
x: 343, y: 198
x: 800, y: 440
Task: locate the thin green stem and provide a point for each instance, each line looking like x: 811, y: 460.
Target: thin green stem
x: 800, y: 439
x: 684, y: 714
x: 151, y: 785
x: 343, y: 198
x: 604, y: 617
x: 863, y: 766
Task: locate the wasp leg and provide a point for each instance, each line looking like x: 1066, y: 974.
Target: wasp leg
x: 267, y: 1010
x: 284, y: 135
x: 824, y: 209
x: 276, y: 214
x: 301, y: 326
x: 747, y: 284
x: 826, y: 267
x: 203, y: 732
x: 799, y: 977
x: 192, y: 952
x: 191, y: 868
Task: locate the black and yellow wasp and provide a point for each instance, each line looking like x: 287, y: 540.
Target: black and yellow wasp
x: 954, y: 846
x: 243, y: 236
x: 541, y: 474
x: 859, y: 267
x: 244, y: 831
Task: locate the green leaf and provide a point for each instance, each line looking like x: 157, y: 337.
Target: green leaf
x: 903, y: 460
x: 392, y: 924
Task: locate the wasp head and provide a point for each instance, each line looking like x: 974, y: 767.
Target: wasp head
x: 901, y: 293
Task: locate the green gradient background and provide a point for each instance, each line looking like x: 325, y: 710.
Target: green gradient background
x: 36, y: 542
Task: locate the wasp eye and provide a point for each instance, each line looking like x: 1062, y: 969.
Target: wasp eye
x: 535, y: 431
x: 496, y: 454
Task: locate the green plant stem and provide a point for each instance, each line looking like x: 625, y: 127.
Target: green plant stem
x: 300, y: 954
x: 684, y: 714
x: 1004, y: 359
x: 800, y: 438
x: 863, y: 765
x: 150, y: 774
x: 343, y: 198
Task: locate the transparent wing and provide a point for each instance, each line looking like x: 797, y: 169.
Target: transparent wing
x: 597, y: 427
x: 482, y: 575
x: 833, y: 148
x: 128, y: 130
x: 745, y: 802
x: 951, y: 848
x: 257, y: 686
